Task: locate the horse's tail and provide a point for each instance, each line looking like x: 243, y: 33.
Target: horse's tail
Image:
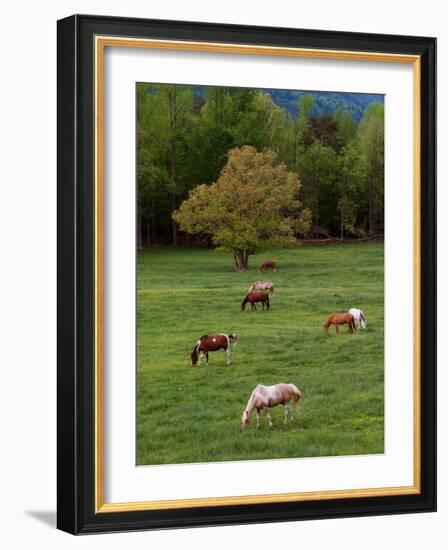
x: 297, y: 396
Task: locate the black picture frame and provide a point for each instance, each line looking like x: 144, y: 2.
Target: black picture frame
x: 76, y: 255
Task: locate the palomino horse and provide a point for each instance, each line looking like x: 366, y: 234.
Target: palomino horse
x: 337, y: 319
x: 254, y: 297
x: 268, y: 264
x: 358, y: 315
x: 214, y: 342
x: 266, y: 286
x: 264, y: 397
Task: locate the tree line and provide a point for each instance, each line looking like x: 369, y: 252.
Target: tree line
x: 185, y: 140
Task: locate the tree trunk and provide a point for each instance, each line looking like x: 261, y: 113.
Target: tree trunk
x: 241, y: 258
x: 374, y: 227
x: 173, y: 130
x: 173, y: 223
x: 148, y: 232
x: 373, y: 209
x: 139, y: 233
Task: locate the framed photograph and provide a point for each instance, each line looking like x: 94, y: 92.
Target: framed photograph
x: 246, y: 274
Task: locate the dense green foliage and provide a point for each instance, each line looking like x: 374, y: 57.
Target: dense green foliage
x: 254, y: 205
x: 187, y: 414
x: 336, y: 152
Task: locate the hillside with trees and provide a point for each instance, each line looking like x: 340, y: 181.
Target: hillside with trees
x: 331, y: 145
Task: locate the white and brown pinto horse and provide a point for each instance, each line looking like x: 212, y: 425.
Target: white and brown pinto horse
x: 358, y: 315
x: 264, y: 286
x: 265, y: 397
x: 213, y: 342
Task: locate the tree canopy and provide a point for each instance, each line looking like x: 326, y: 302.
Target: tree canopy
x: 253, y: 205
x: 185, y: 133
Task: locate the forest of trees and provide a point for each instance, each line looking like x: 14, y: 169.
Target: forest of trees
x: 184, y: 139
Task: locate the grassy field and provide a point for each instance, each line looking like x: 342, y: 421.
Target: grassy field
x: 187, y: 414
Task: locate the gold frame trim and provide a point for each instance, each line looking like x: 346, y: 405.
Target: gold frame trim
x: 101, y: 42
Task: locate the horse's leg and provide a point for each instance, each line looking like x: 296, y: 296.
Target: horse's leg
x: 289, y: 412
x: 285, y: 414
x: 268, y: 415
x: 206, y: 355
x: 229, y: 356
x: 258, y: 417
x: 337, y: 329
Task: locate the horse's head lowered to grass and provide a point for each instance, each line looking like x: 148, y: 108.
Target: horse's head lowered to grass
x: 213, y: 342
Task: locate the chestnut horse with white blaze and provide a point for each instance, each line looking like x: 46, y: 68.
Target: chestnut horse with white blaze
x: 337, y: 319
x: 253, y: 297
x: 268, y: 264
x: 266, y: 286
x: 213, y: 342
x: 265, y: 397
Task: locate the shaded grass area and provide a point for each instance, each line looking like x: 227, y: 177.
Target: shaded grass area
x: 187, y: 414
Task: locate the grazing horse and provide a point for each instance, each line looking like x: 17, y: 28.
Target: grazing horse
x: 358, y: 315
x: 264, y: 397
x: 337, y: 319
x: 268, y: 264
x: 266, y: 286
x: 214, y: 342
x: 253, y: 297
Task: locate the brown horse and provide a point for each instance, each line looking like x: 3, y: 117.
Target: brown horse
x: 337, y: 319
x: 268, y: 264
x: 213, y: 342
x: 253, y: 297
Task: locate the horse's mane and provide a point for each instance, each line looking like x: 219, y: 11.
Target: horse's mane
x: 252, y: 397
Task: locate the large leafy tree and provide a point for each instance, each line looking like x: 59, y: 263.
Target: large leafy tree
x: 253, y: 205
x: 153, y: 182
x: 323, y: 129
x: 318, y: 168
x: 350, y: 187
x: 346, y: 127
x: 165, y: 121
x: 371, y: 137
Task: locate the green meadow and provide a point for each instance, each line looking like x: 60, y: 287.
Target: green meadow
x: 187, y: 414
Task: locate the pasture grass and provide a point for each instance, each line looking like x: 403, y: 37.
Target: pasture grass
x: 187, y: 414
